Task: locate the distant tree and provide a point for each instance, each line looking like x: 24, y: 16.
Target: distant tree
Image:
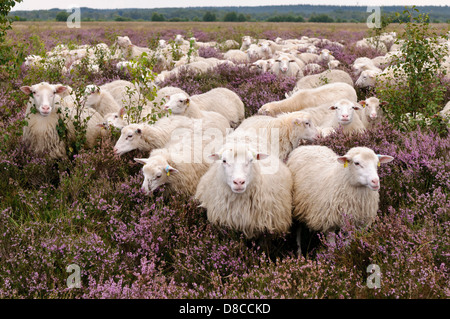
x: 320, y: 18
x: 241, y: 18
x: 158, y: 17
x: 62, y: 16
x: 209, y: 17
x: 230, y: 17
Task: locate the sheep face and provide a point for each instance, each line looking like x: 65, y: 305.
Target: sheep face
x: 367, y: 78
x: 178, y: 103
x: 123, y: 42
x: 237, y: 166
x: 283, y: 64
x: 91, y: 96
x: 129, y: 139
x: 361, y: 164
x: 115, y: 119
x: 345, y: 110
x: 371, y: 107
x: 265, y: 47
x: 156, y: 172
x: 43, y: 96
x: 246, y: 41
x: 304, y: 129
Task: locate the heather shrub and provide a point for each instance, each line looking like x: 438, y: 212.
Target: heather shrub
x: 89, y: 209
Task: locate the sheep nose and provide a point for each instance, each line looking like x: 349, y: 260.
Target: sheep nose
x: 375, y: 181
x: 166, y: 107
x: 46, y: 108
x: 373, y: 115
x: 239, y: 181
x: 345, y: 116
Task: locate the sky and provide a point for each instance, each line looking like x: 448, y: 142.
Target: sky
x: 113, y: 4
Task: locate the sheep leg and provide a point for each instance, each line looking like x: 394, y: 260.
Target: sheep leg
x: 298, y: 239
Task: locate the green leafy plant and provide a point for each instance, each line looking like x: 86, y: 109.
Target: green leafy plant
x: 414, y: 91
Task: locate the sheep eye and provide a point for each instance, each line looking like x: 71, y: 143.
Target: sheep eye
x: 224, y: 161
x: 158, y: 175
x: 357, y: 163
x: 116, y: 116
x: 130, y: 136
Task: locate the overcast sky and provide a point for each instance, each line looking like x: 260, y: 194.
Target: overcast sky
x: 112, y: 4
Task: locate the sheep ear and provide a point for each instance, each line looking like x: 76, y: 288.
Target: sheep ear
x: 384, y: 158
x: 356, y: 107
x: 384, y: 103
x: 214, y: 156
x: 332, y: 107
x: 188, y: 101
x: 261, y: 156
x: 142, y: 161
x: 121, y: 112
x: 26, y: 89
x: 343, y: 160
x: 102, y: 125
x: 138, y: 131
x: 363, y: 103
x: 299, y: 121
x: 60, y: 89
x: 169, y: 169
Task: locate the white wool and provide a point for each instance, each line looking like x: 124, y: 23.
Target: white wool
x: 328, y: 93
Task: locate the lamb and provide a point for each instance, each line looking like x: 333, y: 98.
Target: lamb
x: 240, y: 192
x: 287, y: 128
x: 328, y: 188
x: 327, y: 93
x: 371, y: 110
x: 100, y: 100
x: 263, y: 65
x: 284, y: 66
x: 180, y: 104
x: 326, y: 77
x: 222, y: 101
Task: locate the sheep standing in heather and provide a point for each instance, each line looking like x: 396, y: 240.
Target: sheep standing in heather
x: 329, y: 188
x: 41, y: 133
x: 239, y: 191
x: 302, y: 99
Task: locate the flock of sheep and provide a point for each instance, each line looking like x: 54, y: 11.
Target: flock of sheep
x: 249, y: 173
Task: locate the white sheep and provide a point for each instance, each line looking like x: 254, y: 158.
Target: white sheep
x: 41, y: 133
x: 328, y: 116
x: 330, y: 189
x: 181, y: 104
x: 178, y: 166
x: 223, y: 101
x: 363, y: 64
x: 282, y: 133
x: 236, y: 56
x: 264, y: 65
x: 308, y: 57
x: 326, y: 77
x: 371, y: 78
x: 371, y: 110
x: 147, y: 137
x: 100, y: 100
x: 246, y: 42
x: 119, y: 119
x: 125, y: 93
x: 284, y: 66
x: 312, y: 68
x: 333, y: 64
x: 239, y: 192
x: 302, y: 99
